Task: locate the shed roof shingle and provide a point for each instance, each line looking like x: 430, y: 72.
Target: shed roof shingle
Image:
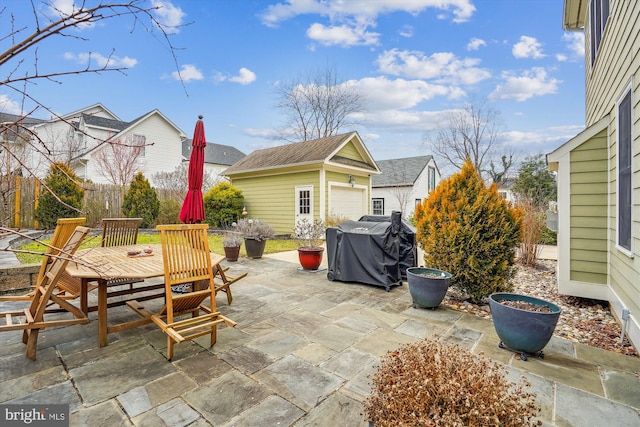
x: 311, y: 151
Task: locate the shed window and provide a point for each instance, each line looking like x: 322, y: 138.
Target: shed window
x: 304, y: 202
x: 624, y: 172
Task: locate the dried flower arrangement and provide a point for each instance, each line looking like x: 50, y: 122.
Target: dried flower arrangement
x: 309, y: 234
x: 254, y: 229
x: 432, y: 383
x: 232, y: 239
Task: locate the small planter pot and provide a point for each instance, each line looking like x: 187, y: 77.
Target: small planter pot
x: 523, y: 331
x: 427, y: 286
x: 232, y: 253
x: 310, y: 258
x: 254, y: 248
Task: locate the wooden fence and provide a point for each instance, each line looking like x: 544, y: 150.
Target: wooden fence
x: 100, y: 201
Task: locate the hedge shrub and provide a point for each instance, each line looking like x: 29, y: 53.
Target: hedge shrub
x: 65, y: 185
x: 467, y: 229
x: 141, y: 201
x: 223, y: 205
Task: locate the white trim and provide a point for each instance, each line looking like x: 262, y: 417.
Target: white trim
x: 323, y: 195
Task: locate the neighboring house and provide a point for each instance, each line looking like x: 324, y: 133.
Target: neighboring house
x: 598, y: 169
x: 217, y: 157
x: 13, y: 139
x: 505, y: 189
x: 78, y: 139
x: 322, y: 178
x: 402, y: 184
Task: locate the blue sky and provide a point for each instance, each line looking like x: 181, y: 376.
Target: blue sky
x: 414, y: 61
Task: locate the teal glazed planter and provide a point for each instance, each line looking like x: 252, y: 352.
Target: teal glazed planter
x: 427, y: 286
x: 523, y: 331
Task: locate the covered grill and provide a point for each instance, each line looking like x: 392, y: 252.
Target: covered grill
x: 366, y: 252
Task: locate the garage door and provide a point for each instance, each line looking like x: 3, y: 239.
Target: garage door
x: 348, y: 202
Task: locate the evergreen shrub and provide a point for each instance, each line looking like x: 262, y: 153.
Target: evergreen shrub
x: 141, y: 201
x: 467, y: 229
x: 223, y: 205
x: 62, y: 182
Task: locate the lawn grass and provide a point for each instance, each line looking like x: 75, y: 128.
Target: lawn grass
x: 215, y: 244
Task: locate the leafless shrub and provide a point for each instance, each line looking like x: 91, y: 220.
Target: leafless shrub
x: 432, y: 383
x: 533, y: 226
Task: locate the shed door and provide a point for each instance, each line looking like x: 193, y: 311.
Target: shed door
x: 348, y: 202
x: 304, y: 202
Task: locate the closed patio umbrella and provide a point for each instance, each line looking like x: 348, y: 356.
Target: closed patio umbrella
x: 192, y: 211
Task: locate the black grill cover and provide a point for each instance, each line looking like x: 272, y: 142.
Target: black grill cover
x: 365, y: 252
x: 408, y: 248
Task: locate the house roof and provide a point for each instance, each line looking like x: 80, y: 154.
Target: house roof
x: 102, y: 122
x: 400, y: 172
x: 216, y: 154
x: 573, y: 14
x: 322, y: 150
x: 554, y: 157
x: 9, y: 127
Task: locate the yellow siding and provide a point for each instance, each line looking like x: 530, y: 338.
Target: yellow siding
x: 618, y: 64
x: 588, y: 233
x: 350, y: 152
x: 272, y: 198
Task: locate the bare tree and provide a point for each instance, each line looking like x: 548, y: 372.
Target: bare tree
x: 50, y: 22
x: 118, y: 160
x: 21, y: 68
x: 471, y: 132
x: 175, y: 184
x: 317, y: 106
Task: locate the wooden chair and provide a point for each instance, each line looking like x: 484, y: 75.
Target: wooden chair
x: 31, y: 320
x: 67, y: 287
x: 187, y: 259
x: 120, y: 232
x: 223, y: 281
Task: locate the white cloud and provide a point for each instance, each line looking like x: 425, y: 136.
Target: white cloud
x: 385, y: 94
x: 528, y: 47
x: 575, y: 42
x: 338, y: 10
x: 561, y: 57
x: 475, y: 43
x: 529, y: 84
x: 406, y: 31
x: 97, y: 60
x: 187, y: 73
x: 341, y: 35
x: 244, y: 77
x: 9, y: 106
x: 269, y: 133
x: 170, y: 16
x: 442, y: 66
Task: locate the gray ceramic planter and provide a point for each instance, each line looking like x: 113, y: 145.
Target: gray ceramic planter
x: 427, y: 286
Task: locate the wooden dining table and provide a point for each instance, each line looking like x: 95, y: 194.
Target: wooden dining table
x: 103, y: 264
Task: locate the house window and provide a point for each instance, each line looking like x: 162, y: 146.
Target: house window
x: 140, y: 141
x: 503, y: 194
x: 304, y: 202
x: 432, y: 178
x: 624, y: 171
x: 599, y: 15
x: 377, y: 206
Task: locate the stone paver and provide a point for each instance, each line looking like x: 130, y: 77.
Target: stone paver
x: 303, y: 353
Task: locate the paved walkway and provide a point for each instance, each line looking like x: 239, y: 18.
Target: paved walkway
x: 301, y: 355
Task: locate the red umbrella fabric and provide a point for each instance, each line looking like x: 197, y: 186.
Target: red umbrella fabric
x: 192, y: 211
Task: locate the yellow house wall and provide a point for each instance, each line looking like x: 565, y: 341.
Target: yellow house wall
x: 616, y: 66
x: 272, y: 197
